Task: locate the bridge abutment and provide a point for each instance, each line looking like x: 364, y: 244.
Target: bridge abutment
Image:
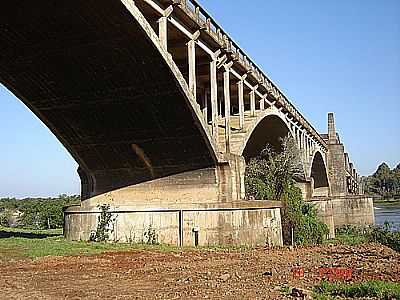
x: 338, y: 211
x: 206, y: 202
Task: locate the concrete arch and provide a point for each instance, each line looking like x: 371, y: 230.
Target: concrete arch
x: 318, y: 173
x: 106, y: 89
x: 260, y: 120
x: 269, y: 127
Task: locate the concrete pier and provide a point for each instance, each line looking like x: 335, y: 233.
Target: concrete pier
x: 256, y: 223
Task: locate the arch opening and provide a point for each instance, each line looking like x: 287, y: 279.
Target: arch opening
x: 319, y: 175
x: 271, y: 130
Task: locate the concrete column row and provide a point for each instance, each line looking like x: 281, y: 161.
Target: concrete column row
x: 216, y: 63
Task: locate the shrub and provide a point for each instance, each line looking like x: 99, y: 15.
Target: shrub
x: 151, y: 236
x: 104, y: 221
x: 272, y: 176
x: 300, y: 218
x: 385, y: 235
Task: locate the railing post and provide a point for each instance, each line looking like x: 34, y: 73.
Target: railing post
x: 192, y: 67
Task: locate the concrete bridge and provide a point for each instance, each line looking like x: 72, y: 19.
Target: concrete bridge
x: 161, y: 110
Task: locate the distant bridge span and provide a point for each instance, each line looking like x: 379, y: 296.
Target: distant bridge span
x: 155, y: 101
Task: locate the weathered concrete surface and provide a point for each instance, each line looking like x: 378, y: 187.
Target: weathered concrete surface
x: 325, y: 214
x: 210, y: 185
x: 353, y: 211
x: 349, y: 210
x: 239, y: 223
x: 342, y: 175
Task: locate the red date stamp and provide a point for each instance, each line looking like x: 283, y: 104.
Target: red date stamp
x: 298, y: 272
x: 335, y: 273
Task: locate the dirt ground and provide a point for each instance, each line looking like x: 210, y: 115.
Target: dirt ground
x: 190, y: 274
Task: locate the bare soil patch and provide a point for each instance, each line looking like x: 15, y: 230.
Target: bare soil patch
x: 190, y: 274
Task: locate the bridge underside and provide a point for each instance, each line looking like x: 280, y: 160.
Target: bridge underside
x: 87, y: 70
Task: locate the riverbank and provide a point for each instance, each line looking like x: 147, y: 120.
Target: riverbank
x: 388, y: 201
x: 158, y: 272
x: 260, y: 273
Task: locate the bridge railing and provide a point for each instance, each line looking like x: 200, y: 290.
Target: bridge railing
x: 205, y: 21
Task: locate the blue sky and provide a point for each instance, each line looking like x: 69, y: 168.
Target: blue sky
x: 327, y: 56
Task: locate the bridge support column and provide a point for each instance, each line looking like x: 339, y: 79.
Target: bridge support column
x: 227, y: 100
x: 262, y: 103
x: 299, y: 139
x: 214, y: 99
x: 163, y: 31
x: 241, y: 103
x: 192, y: 67
x: 253, y: 103
x: 307, y: 148
x: 205, y: 106
x: 336, y: 161
x: 306, y: 155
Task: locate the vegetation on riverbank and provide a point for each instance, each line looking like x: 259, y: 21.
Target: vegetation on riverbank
x: 272, y: 175
x: 384, y: 183
x: 353, y: 235
x: 35, y: 213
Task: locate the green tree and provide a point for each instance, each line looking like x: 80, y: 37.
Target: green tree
x: 384, y: 182
x: 272, y: 176
x: 40, y: 213
x: 272, y: 173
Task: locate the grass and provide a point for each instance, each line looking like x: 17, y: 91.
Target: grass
x: 377, y: 289
x: 348, y: 239
x: 349, y: 235
x: 17, y: 243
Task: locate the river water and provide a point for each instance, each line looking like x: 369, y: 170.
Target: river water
x: 387, y: 212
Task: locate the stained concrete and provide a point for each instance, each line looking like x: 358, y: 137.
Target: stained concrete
x: 239, y: 223
x: 349, y: 210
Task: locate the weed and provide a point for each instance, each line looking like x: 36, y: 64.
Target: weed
x: 378, y: 289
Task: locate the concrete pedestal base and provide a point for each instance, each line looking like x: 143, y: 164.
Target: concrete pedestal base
x: 235, y: 223
x: 348, y: 210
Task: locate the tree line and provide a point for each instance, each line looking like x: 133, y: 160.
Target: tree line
x: 384, y: 183
x: 36, y: 213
